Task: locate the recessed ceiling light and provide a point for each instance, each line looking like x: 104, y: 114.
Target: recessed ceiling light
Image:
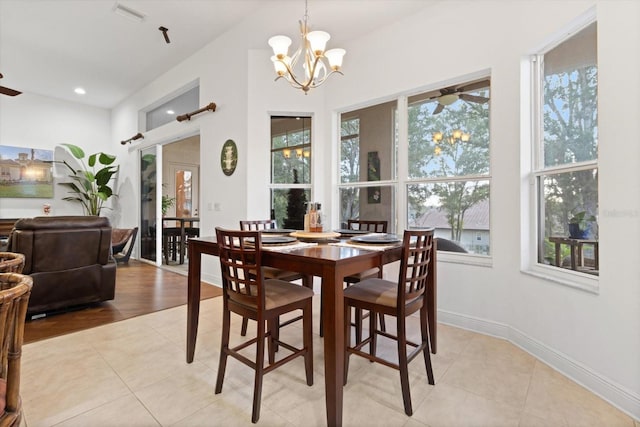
x: 80, y: 91
x: 170, y: 112
x: 128, y: 13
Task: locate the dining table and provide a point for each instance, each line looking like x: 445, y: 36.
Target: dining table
x: 182, y: 221
x: 332, y: 263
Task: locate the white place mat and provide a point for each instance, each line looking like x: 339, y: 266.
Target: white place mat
x: 289, y: 247
x: 369, y: 247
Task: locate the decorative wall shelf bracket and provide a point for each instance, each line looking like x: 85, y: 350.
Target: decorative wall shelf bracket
x: 211, y: 107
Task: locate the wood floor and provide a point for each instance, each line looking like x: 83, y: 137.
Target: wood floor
x: 140, y: 289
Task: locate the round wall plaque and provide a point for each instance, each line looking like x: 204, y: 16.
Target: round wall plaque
x: 229, y: 157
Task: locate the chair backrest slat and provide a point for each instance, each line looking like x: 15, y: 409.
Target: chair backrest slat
x: 240, y: 257
x: 417, y: 247
x: 367, y: 225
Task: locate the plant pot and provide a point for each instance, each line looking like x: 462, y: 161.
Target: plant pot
x: 575, y: 232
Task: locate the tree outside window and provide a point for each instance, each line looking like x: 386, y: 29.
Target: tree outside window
x: 449, y: 175
x: 567, y: 169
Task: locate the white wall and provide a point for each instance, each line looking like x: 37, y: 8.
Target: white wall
x: 593, y: 338
x: 39, y: 122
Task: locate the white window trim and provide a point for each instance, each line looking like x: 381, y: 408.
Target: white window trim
x: 531, y: 131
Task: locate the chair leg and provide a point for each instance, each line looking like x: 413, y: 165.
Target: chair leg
x: 373, y: 333
x: 271, y: 344
x: 224, y: 346
x: 425, y: 342
x: 243, y: 328
x: 307, y: 339
x: 257, y: 387
x: 347, y: 340
x: 403, y: 365
x: 321, y: 316
x: 358, y: 321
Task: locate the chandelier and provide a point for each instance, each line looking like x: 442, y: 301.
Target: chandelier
x: 311, y: 62
x: 456, y: 135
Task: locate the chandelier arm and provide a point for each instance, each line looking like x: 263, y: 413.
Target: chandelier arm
x: 313, y: 86
x: 292, y: 77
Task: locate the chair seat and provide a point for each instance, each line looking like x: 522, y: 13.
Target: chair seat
x: 367, y: 274
x: 279, y: 293
x: 374, y: 291
x: 276, y: 273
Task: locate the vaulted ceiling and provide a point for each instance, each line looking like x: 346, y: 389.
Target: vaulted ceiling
x: 51, y: 47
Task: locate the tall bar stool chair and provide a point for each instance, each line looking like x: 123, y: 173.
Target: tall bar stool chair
x: 270, y: 272
x: 15, y: 290
x: 247, y: 293
x: 398, y: 299
x: 374, y: 226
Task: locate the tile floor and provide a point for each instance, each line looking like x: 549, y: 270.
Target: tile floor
x: 133, y: 373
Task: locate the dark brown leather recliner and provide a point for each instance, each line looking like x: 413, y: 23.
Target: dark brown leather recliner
x: 68, y: 258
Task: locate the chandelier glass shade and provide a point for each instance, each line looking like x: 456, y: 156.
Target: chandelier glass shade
x: 311, y: 64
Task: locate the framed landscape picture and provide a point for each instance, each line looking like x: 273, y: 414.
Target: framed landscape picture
x: 26, y: 172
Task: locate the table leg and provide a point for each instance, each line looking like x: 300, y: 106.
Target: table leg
x: 333, y: 306
x: 573, y: 257
x: 193, y: 301
x: 558, y: 264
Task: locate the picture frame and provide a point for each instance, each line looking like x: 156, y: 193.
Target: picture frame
x: 26, y: 172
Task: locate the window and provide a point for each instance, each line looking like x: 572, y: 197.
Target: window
x: 367, y: 167
x: 290, y: 170
x: 566, y: 165
x: 185, y: 102
x: 448, y: 165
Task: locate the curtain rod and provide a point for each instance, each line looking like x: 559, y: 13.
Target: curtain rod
x: 211, y: 107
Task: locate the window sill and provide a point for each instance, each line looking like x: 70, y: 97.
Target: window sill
x: 575, y: 280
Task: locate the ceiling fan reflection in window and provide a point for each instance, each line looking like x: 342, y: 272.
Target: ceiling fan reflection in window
x: 451, y: 94
x: 8, y: 91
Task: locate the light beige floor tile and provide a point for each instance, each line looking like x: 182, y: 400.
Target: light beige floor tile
x: 448, y: 406
x: 415, y: 423
x: 124, y: 411
x: 230, y: 411
x: 504, y: 384
x: 559, y: 400
x: 179, y: 395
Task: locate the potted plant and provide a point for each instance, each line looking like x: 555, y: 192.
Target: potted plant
x: 167, y: 202
x: 90, y: 183
x: 580, y: 225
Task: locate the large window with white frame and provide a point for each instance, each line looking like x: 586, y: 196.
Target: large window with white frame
x: 367, y: 186
x: 449, y: 173
x: 445, y: 154
x: 566, y: 153
x: 290, y: 170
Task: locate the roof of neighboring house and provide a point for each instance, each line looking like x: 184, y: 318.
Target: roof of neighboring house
x: 475, y: 218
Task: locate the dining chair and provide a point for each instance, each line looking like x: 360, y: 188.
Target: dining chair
x: 271, y: 272
x: 374, y: 226
x: 398, y: 299
x: 246, y: 292
x: 15, y: 290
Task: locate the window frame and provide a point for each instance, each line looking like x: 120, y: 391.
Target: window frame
x: 305, y: 145
x: 534, y: 238
x: 401, y: 180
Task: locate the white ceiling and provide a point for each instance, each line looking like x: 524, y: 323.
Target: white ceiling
x: 50, y: 47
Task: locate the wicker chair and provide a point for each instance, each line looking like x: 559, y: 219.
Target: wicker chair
x: 15, y: 290
x: 11, y: 262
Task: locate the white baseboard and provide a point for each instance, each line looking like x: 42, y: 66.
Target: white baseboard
x: 619, y: 396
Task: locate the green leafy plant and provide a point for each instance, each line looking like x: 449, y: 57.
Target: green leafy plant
x: 582, y: 218
x: 167, y: 202
x: 90, y: 183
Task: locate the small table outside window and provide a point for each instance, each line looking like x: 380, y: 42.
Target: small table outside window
x: 577, y: 247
